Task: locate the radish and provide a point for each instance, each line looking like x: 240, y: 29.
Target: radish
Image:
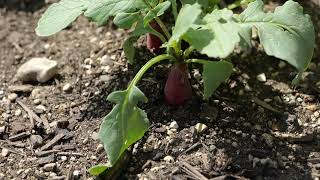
x: 153, y: 42
x: 177, y: 89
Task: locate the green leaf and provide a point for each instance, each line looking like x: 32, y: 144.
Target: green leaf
x: 126, y: 20
x: 203, y: 3
x: 217, y: 37
x: 187, y: 17
x: 287, y: 33
x: 128, y: 48
x: 59, y: 15
x: 156, y: 12
x: 125, y: 124
x: 98, y: 169
x: 214, y: 73
x: 101, y: 10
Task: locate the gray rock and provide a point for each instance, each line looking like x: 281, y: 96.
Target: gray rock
x: 36, y: 140
x: 37, y: 69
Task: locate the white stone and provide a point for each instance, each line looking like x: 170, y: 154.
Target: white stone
x: 99, y: 148
x: 49, y: 167
x: 37, y: 69
x: 168, y: 159
x: 40, y: 109
x: 37, y: 101
x: 174, y: 125
x: 64, y: 158
x: 17, y: 112
x: 200, y: 128
x: 67, y: 87
x: 76, y: 173
x: 12, y: 96
x: 5, y: 152
x: 262, y: 77
x: 2, y: 129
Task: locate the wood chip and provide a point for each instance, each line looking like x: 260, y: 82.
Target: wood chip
x: 64, y: 147
x: 46, y: 160
x: 19, y: 136
x: 192, y: 171
x: 52, y: 142
x: 31, y: 114
x: 46, y: 153
x: 264, y: 105
x: 297, y: 138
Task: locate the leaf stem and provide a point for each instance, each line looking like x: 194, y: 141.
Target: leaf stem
x: 163, y: 27
x: 148, y: 65
x: 188, y: 51
x: 159, y: 35
x: 158, y: 20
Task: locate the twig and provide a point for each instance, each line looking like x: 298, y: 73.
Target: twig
x: 30, y: 112
x: 193, y: 171
x: 52, y: 142
x: 264, y: 104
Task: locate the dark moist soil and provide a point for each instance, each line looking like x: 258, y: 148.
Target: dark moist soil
x: 256, y: 130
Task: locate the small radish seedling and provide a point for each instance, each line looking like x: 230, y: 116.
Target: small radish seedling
x: 200, y: 26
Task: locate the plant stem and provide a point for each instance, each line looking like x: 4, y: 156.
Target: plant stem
x: 159, y: 35
x: 158, y: 20
x: 163, y: 27
x: 174, y: 9
x: 148, y: 65
x: 187, y: 52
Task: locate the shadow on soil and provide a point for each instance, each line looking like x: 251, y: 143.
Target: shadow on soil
x: 233, y: 113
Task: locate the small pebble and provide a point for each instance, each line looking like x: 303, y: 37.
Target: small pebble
x: 174, y: 125
x: 36, y: 140
x: 12, y: 97
x: 5, y: 152
x: 76, y: 173
x: 200, y: 128
x: 262, y: 77
x: 168, y: 159
x: 17, y: 112
x: 49, y: 167
x: 67, y: 87
x: 99, y: 148
x: 105, y: 60
x: 2, y: 129
x: 40, y: 109
x: 37, y: 101
x: 64, y: 158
